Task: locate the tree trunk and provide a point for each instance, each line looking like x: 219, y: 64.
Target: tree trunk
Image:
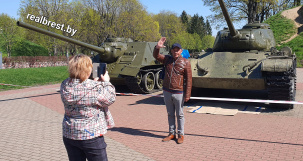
x: 8, y: 54
x: 9, y: 49
x: 297, y: 3
x: 249, y: 11
x: 252, y: 11
x: 55, y: 50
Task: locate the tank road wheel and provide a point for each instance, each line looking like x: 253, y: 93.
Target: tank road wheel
x: 158, y: 80
x: 148, y: 82
x: 133, y: 83
x: 139, y: 78
x: 282, y: 86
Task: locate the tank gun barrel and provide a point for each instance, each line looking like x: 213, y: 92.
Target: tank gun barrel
x: 231, y: 27
x: 61, y: 37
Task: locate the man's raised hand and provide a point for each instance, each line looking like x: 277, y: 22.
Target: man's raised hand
x: 161, y: 43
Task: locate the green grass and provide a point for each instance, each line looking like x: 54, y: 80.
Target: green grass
x: 282, y: 27
x: 32, y: 76
x: 297, y: 46
x: 4, y: 55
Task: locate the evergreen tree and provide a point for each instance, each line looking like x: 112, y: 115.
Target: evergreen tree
x: 193, y: 24
x: 184, y: 18
x: 197, y: 25
x: 201, y: 27
x: 208, y: 28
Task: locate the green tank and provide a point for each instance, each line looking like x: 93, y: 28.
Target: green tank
x: 128, y: 62
x: 246, y: 59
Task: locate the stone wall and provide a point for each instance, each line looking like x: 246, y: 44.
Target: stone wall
x: 34, y: 61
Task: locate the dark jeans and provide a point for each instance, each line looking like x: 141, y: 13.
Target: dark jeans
x: 80, y: 150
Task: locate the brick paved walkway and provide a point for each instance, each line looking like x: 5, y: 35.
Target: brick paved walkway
x: 31, y: 130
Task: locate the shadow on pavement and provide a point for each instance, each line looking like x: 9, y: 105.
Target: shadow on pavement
x: 150, y: 100
x: 142, y: 132
x: 12, y: 99
x: 131, y: 131
x: 221, y: 93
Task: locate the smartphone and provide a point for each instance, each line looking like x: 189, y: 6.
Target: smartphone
x: 101, y: 69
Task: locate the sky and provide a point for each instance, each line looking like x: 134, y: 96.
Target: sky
x: 191, y: 7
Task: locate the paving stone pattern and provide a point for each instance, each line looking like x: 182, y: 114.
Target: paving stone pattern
x: 31, y: 130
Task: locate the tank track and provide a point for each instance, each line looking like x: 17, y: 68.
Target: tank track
x: 135, y: 87
x: 132, y: 84
x: 282, y: 86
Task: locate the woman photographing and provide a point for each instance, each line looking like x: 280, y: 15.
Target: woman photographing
x: 86, y: 117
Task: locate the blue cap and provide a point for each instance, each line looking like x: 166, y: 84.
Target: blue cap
x: 176, y: 45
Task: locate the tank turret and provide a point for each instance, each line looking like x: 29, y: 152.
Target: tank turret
x: 128, y: 63
x: 254, y: 36
x: 113, y: 48
x: 233, y: 31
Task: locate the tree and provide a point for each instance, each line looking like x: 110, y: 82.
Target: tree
x: 54, y: 11
x: 250, y: 10
x: 74, y: 15
x: 207, y: 42
x: 108, y: 10
x: 297, y: 2
x: 134, y: 22
x: 208, y: 28
x: 197, y: 25
x: 192, y: 42
x: 91, y: 27
x: 184, y: 19
x: 97, y: 20
x: 9, y: 33
x: 170, y: 25
x: 94, y: 20
x: 174, y: 29
x: 122, y: 18
x: 24, y: 47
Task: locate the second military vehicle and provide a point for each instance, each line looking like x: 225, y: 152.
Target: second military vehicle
x: 128, y: 62
x: 247, y: 59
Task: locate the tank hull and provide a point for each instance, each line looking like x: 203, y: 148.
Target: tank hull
x: 229, y: 83
x: 224, y: 70
x: 273, y: 71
